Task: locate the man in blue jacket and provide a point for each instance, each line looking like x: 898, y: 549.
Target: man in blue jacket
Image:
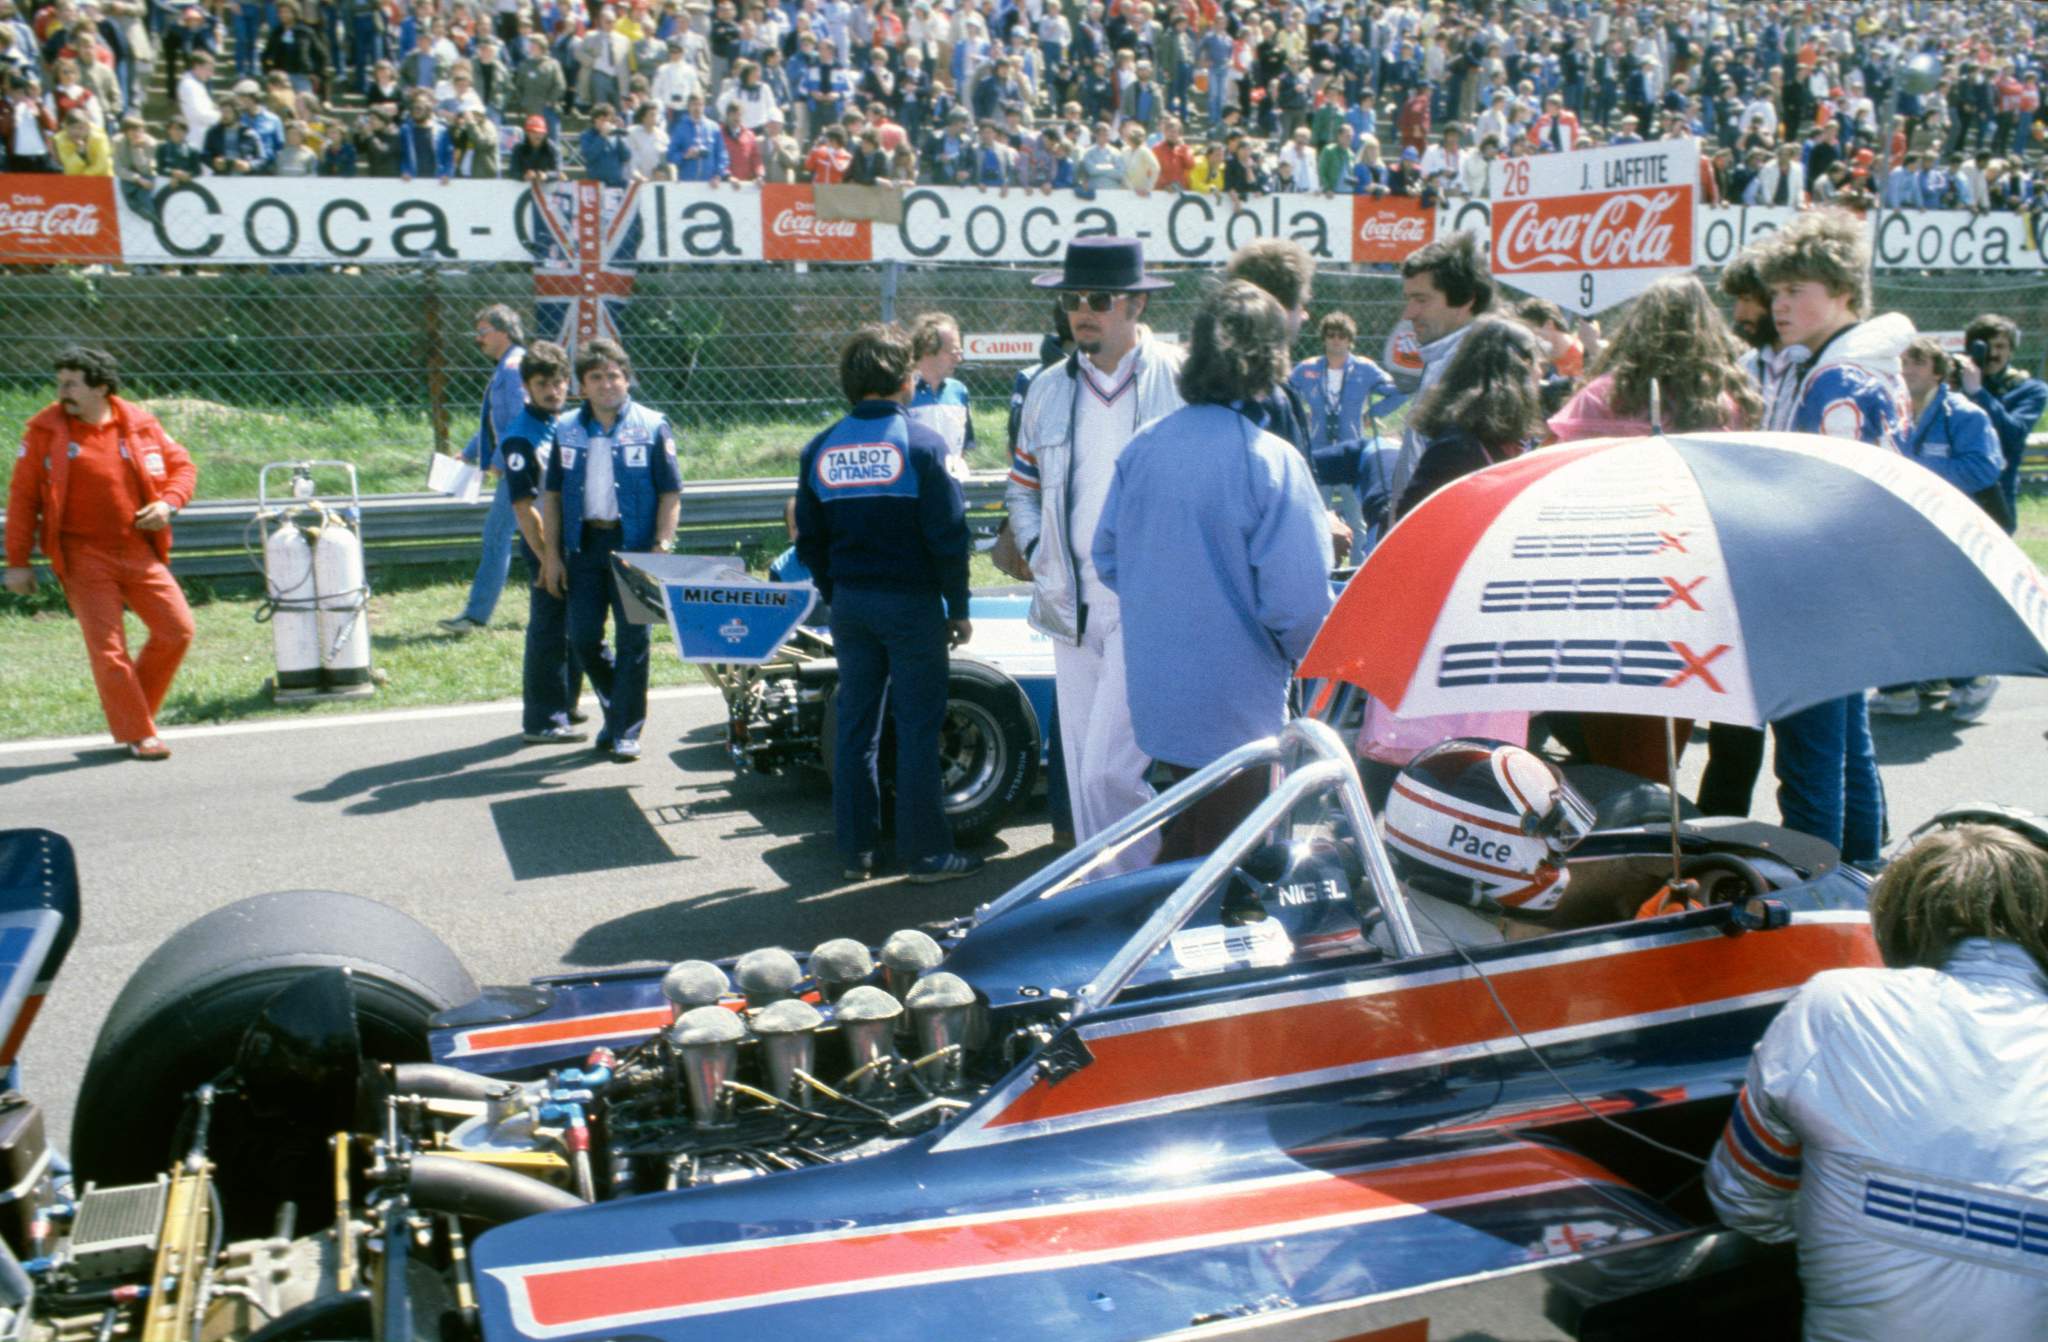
x: 612, y: 485
x: 1955, y: 440
x: 696, y: 145
x: 502, y: 338
x: 2012, y: 399
x: 550, y: 683
x: 882, y: 527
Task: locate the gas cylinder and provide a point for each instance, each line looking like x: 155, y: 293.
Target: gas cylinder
x: 294, y: 631
x: 343, y: 602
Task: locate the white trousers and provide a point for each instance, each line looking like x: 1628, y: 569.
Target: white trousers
x: 1105, y: 769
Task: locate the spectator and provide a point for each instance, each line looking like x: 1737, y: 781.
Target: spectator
x: 603, y: 61
x: 95, y: 485
x: 295, y: 159
x: 1369, y: 175
x: 1563, y: 352
x: 606, y: 156
x: 82, y: 147
x: 28, y: 129
x: 366, y: 39
x: 424, y: 145
x: 647, y: 144
x: 1780, y: 182
x: 1444, y: 287
x: 611, y: 485
x: 474, y: 138
x: 938, y: 400
x: 829, y: 157
x: 295, y: 50
x: 535, y: 158
x: 742, y: 147
x: 782, y: 158
x: 1176, y: 157
x: 1298, y: 162
x: 696, y: 145
x: 134, y: 166
x: 1140, y: 164
x: 1928, y: 1073
x: 177, y: 158
x: 1339, y: 391
x: 891, y: 558
x: 1243, y: 175
x: 68, y: 93
x: 377, y: 152
x: 1335, y: 164
x: 1848, y: 387
x: 1067, y: 445
x: 538, y: 87
x: 1213, y: 524
x: 1485, y: 407
x: 995, y: 163
x: 1101, y: 166
x: 2012, y: 399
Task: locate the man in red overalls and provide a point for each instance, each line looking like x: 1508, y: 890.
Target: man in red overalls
x: 96, y: 483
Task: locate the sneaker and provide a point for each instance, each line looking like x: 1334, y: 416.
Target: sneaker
x: 148, y: 748
x: 625, y: 752
x: 461, y: 624
x: 949, y: 868
x: 578, y: 716
x: 1970, y: 699
x: 555, y: 736
x: 862, y: 866
x: 1895, y: 703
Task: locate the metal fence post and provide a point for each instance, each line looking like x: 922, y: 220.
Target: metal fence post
x: 891, y: 273
x: 436, y: 360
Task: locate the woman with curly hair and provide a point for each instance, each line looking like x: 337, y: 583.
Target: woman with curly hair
x: 1672, y: 336
x: 1487, y: 407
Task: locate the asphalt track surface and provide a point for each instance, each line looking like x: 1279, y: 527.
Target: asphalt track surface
x: 531, y: 860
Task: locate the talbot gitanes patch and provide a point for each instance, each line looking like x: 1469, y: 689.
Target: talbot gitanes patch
x: 852, y: 465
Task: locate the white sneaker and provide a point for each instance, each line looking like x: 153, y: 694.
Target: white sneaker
x: 1895, y: 704
x: 1971, y: 699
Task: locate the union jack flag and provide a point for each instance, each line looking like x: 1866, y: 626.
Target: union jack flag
x: 587, y: 245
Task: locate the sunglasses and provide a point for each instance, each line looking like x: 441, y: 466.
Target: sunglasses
x: 1071, y: 300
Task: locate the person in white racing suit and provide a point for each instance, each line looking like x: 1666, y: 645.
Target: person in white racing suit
x: 1895, y: 1121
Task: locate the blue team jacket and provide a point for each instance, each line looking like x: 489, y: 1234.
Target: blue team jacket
x: 1954, y: 439
x: 643, y: 449
x: 875, y: 507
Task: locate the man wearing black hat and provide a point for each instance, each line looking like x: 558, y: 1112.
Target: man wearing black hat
x: 1077, y: 418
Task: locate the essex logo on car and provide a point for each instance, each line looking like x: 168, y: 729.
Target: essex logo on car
x: 854, y: 465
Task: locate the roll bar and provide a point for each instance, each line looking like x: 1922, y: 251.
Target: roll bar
x: 1328, y: 767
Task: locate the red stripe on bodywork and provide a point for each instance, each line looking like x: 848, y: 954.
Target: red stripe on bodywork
x: 726, y: 1277
x: 1175, y: 1059
x: 29, y: 1007
x: 1382, y: 623
x: 610, y: 1025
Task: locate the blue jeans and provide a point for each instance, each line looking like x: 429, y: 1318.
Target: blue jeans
x: 890, y: 645
x: 551, y: 682
x: 618, y: 674
x: 250, y: 22
x: 1216, y: 83
x: 500, y: 530
x: 365, y: 47
x: 1828, y: 784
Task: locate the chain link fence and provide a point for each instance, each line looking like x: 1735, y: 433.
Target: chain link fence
x: 714, y: 347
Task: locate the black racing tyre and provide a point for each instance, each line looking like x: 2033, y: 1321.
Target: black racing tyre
x: 988, y: 751
x: 180, y: 1019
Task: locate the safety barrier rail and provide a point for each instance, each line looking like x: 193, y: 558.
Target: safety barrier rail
x: 216, y: 538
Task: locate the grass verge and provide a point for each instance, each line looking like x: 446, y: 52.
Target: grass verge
x: 391, y: 449
x: 45, y: 689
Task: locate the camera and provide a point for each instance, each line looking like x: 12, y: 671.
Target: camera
x: 1979, y: 352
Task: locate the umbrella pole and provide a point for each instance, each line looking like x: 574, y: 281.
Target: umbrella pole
x: 1671, y: 783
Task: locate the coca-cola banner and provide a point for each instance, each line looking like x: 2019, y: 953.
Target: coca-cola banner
x: 49, y: 218
x: 1595, y: 227
x: 1384, y: 229
x: 356, y: 221
x: 792, y: 231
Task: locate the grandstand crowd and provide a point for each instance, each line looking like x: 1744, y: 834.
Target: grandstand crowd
x: 1886, y: 102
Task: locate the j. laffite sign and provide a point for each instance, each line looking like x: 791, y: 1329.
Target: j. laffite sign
x: 1596, y: 227
x: 1586, y: 229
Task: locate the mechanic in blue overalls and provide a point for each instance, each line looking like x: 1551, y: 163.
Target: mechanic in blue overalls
x: 613, y: 485
x: 938, y: 400
x: 550, y: 682
x: 882, y: 527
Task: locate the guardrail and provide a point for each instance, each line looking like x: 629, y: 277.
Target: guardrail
x: 215, y: 538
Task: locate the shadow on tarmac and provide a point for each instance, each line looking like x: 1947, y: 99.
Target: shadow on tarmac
x: 578, y: 832
x: 84, y: 759
x: 1911, y: 740
x: 450, y: 775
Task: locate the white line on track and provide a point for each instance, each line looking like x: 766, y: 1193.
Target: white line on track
x: 312, y: 721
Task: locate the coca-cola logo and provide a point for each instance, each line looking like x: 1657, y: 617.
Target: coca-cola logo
x: 49, y: 221
x: 1625, y: 231
x: 1393, y: 228
x: 800, y: 221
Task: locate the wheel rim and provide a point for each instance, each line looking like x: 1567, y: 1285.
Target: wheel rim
x: 973, y: 756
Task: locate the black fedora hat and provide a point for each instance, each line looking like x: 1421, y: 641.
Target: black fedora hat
x: 1107, y: 264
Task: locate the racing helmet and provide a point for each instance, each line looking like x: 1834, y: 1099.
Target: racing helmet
x: 1485, y: 823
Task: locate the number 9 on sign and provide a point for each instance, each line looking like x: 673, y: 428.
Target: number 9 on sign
x: 1586, y: 291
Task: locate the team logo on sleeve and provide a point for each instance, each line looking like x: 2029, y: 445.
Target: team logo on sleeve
x: 853, y: 465
x: 515, y: 461
x: 1843, y: 419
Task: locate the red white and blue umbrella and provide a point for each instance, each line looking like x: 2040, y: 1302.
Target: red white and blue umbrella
x: 1728, y: 577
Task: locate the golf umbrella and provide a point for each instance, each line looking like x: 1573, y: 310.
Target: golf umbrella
x: 1728, y: 577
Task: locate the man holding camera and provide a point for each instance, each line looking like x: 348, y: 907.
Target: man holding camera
x: 2012, y: 399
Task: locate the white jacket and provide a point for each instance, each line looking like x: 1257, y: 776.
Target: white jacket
x: 1895, y: 1121
x: 1041, y: 477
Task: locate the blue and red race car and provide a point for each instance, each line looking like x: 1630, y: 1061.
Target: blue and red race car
x: 1268, y: 1094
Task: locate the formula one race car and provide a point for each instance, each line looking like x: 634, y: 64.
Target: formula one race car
x: 780, y: 714
x: 1268, y: 1094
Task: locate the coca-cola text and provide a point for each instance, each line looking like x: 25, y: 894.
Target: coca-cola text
x: 1629, y: 230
